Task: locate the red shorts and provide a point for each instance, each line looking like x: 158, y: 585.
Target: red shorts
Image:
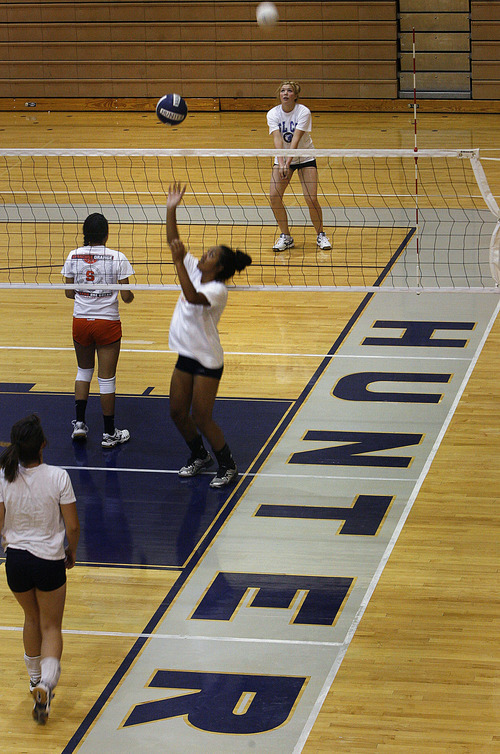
x: 99, y: 332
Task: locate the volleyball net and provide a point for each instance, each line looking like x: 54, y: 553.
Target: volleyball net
x: 397, y: 220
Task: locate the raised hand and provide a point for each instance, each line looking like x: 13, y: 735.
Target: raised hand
x: 175, y: 194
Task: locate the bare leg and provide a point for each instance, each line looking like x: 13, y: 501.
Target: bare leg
x: 181, y: 394
x: 200, y: 391
x: 204, y: 393
x: 51, y: 606
x: 276, y: 192
x: 309, y: 180
x: 32, y: 635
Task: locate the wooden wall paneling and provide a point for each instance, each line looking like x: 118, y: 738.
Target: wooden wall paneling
x: 237, y: 12
x: 434, y: 6
x: 258, y: 70
x: 427, y: 42
x: 485, y: 46
x: 120, y: 49
x: 485, y: 90
x: 432, y: 61
x: 359, y: 11
x: 123, y: 32
x: 360, y: 70
x: 434, y: 22
x: 485, y: 10
x: 183, y: 71
x: 436, y: 81
x: 195, y: 50
x: 487, y: 69
x: 32, y: 32
x: 485, y: 50
x: 486, y: 30
x: 17, y: 13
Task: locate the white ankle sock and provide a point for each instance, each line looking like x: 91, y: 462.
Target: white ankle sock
x: 33, y: 666
x: 51, y: 670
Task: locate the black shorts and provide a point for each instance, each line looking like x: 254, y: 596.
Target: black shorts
x: 185, y: 364
x: 310, y: 164
x: 25, y: 571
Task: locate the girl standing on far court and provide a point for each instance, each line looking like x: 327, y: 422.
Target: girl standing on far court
x: 194, y: 336
x: 290, y: 126
x: 37, y: 509
x: 96, y: 324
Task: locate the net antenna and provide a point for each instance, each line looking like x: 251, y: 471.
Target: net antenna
x: 415, y: 149
x: 373, y: 201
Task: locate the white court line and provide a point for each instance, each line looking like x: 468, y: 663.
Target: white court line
x: 249, y: 353
x: 260, y: 474
x: 186, y: 637
x: 390, y: 546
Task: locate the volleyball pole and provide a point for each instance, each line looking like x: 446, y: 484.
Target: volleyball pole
x: 415, y: 150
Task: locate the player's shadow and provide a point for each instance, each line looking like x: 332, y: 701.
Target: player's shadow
x: 192, y: 528
x: 105, y: 526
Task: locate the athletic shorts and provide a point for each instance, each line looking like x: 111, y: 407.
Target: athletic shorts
x: 310, y: 164
x: 99, y: 332
x: 185, y: 364
x: 25, y: 571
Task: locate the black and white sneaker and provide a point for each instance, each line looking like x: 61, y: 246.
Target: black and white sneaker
x: 80, y: 430
x: 195, y: 465
x: 283, y: 242
x: 224, y: 477
x: 42, y: 696
x: 119, y: 436
x: 33, y: 685
x: 323, y: 242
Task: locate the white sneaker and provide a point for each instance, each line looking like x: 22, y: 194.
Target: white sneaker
x: 120, y: 435
x: 323, y: 241
x: 195, y: 465
x: 224, y: 477
x: 80, y: 430
x: 42, y: 696
x: 283, y: 242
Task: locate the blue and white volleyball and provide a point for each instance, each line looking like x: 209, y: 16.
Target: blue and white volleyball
x: 171, y: 109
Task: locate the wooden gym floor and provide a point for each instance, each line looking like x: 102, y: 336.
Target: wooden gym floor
x: 418, y: 670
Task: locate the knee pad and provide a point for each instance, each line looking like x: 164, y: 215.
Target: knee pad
x: 84, y: 375
x: 107, y: 385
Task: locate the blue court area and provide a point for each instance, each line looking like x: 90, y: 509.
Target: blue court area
x: 133, y: 507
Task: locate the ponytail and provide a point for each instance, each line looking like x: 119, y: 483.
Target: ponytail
x: 9, y: 462
x: 26, y: 441
x: 231, y: 262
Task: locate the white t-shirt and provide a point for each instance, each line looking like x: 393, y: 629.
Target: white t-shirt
x: 193, y: 329
x: 286, y: 123
x: 96, y: 264
x: 33, y: 519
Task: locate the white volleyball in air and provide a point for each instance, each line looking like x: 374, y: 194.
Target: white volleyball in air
x: 267, y: 14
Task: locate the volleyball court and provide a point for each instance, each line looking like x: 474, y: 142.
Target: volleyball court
x: 385, y: 237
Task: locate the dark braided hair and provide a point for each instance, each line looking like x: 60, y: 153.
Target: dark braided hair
x: 231, y: 262
x: 95, y: 230
x: 26, y: 441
